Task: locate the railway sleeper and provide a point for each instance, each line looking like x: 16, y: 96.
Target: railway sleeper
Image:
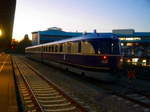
x: 41, y: 87
x: 49, y: 94
x: 51, y: 91
x: 50, y: 97
x: 24, y: 91
x: 53, y: 101
x: 46, y: 85
x: 27, y: 98
x: 63, y: 105
x: 25, y: 94
x: 72, y: 109
x: 28, y: 101
x: 30, y: 105
x: 44, y: 92
x: 44, y: 89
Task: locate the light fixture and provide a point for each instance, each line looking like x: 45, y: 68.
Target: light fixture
x: 0, y: 32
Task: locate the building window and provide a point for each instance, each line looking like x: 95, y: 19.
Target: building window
x: 129, y: 44
x: 130, y: 38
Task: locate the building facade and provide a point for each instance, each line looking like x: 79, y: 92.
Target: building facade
x: 135, y: 46
x: 52, y: 34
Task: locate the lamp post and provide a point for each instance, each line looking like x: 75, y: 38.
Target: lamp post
x: 1, y: 33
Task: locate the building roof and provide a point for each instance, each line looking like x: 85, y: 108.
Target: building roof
x: 54, y: 32
x: 136, y: 34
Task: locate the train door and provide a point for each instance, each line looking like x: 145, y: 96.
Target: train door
x: 41, y: 53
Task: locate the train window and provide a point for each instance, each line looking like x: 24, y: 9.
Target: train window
x: 52, y: 48
x: 79, y: 47
x: 69, y: 47
x: 49, y: 48
x: 61, y: 48
x: 65, y: 47
x: 43, y: 49
x: 74, y: 47
x: 56, y: 48
x: 103, y: 46
x: 46, y: 49
x: 87, y: 48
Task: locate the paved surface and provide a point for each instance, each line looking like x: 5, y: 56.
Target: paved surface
x: 8, y: 101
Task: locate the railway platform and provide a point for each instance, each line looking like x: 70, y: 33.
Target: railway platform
x: 8, y: 102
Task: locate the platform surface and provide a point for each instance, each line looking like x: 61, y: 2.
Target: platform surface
x: 8, y: 102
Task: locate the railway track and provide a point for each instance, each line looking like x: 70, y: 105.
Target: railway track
x: 135, y: 97
x: 39, y: 94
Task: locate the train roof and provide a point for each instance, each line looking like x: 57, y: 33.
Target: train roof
x: 83, y: 37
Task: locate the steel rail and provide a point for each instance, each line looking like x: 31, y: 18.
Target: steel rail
x: 40, y: 107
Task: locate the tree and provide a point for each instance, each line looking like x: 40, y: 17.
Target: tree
x: 23, y: 44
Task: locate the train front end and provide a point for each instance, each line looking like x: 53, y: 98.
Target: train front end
x: 108, y: 56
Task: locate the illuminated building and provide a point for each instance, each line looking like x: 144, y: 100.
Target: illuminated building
x: 135, y: 46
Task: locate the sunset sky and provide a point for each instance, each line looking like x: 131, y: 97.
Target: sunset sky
x: 80, y: 15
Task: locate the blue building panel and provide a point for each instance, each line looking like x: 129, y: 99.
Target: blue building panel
x: 52, y: 34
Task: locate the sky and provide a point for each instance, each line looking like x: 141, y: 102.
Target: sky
x: 81, y: 15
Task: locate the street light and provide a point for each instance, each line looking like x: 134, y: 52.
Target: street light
x: 0, y: 32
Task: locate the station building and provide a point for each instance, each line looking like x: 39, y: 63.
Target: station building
x: 51, y: 34
x: 135, y: 46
